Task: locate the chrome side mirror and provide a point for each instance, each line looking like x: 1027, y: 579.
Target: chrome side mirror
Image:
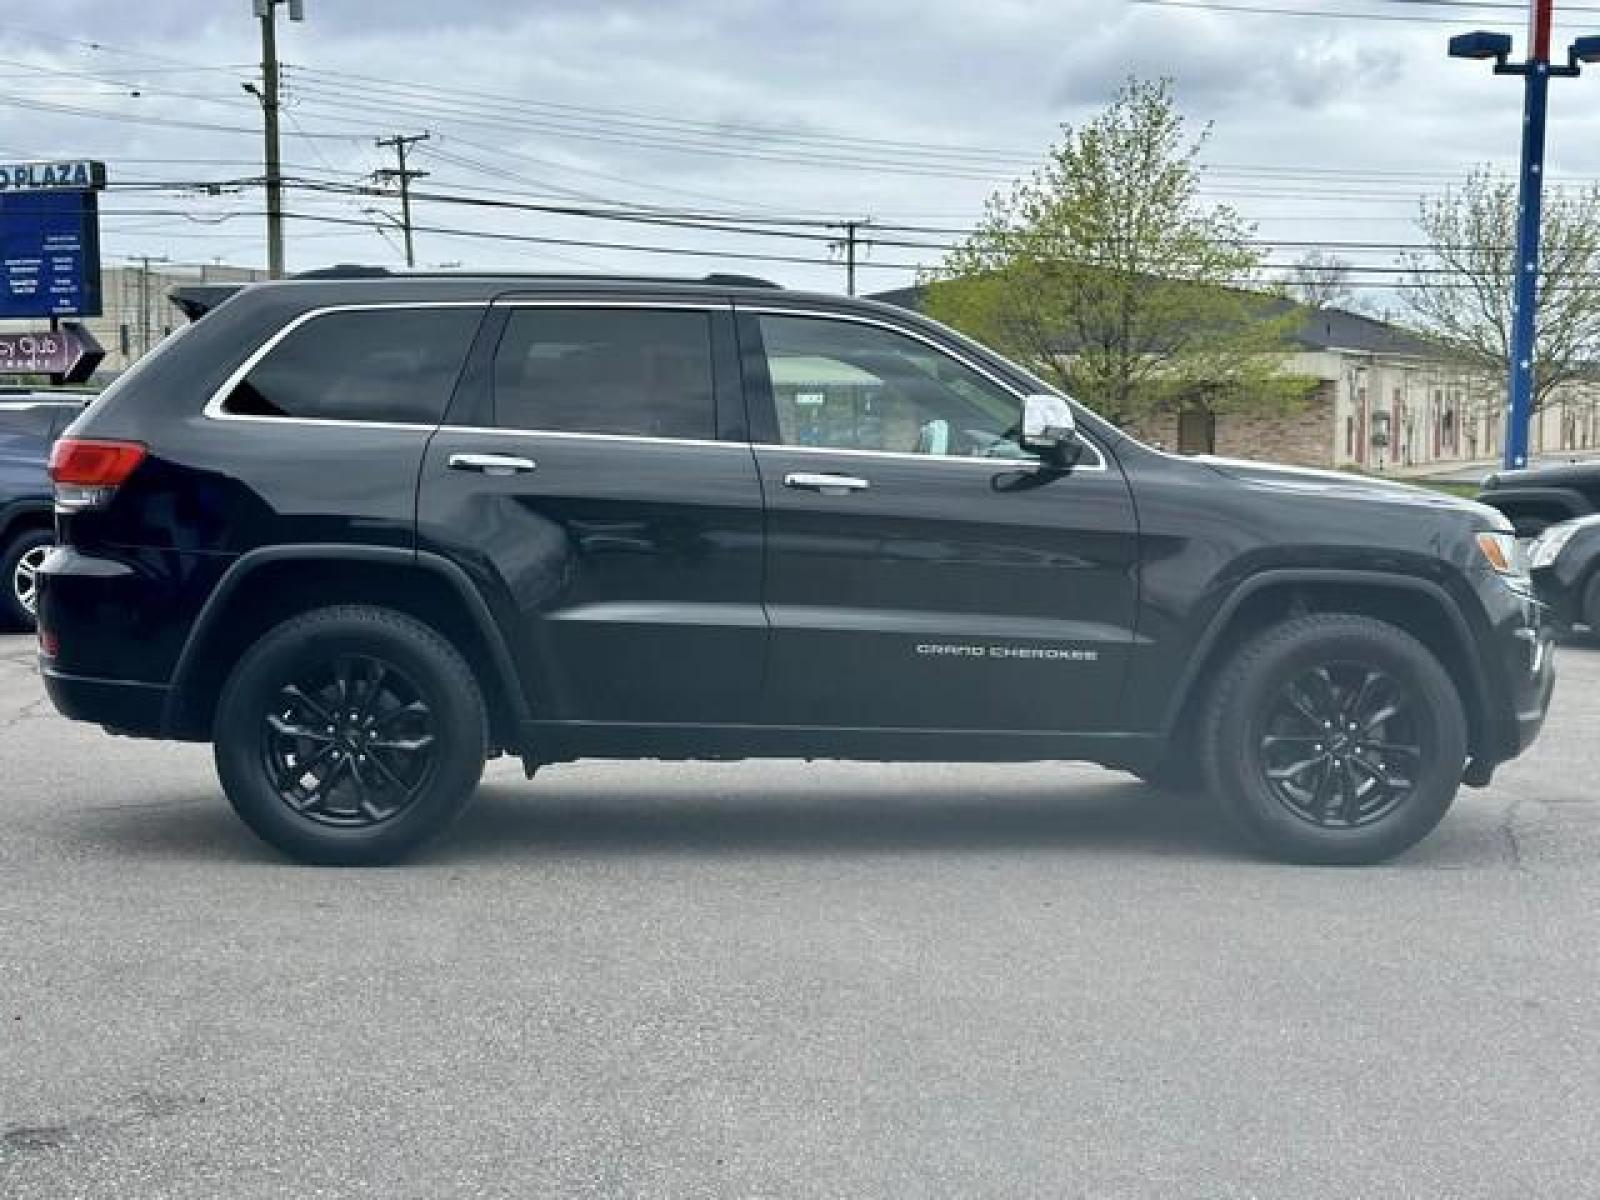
x: 1048, y: 429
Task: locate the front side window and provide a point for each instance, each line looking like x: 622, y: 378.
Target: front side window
x: 640, y: 372
x: 848, y: 386
x: 383, y: 364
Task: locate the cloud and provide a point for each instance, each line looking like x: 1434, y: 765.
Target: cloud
x: 1344, y: 122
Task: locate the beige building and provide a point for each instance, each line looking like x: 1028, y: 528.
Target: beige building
x: 1385, y: 401
x: 137, y: 313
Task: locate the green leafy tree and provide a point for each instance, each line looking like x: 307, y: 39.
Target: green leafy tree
x: 1458, y: 290
x: 1106, y: 272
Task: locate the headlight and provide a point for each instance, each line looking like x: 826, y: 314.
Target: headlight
x: 1502, y: 552
x: 1549, y: 544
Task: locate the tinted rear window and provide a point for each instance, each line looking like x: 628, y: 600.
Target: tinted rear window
x: 645, y: 372
x: 396, y: 364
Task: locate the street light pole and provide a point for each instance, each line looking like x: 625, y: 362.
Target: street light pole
x: 1536, y: 73
x: 1530, y: 207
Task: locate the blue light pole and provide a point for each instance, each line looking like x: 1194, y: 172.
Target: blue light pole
x: 1536, y: 73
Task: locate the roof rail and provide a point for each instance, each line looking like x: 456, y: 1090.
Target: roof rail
x: 343, y: 271
x: 724, y: 280
x: 364, y: 271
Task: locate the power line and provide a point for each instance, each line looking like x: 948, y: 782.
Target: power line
x: 634, y: 119
x: 166, y: 122
x: 1328, y: 14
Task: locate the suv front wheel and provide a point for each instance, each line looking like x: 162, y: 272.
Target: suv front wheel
x: 350, y: 735
x: 1334, y: 738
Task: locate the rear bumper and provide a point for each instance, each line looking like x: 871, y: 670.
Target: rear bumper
x: 121, y: 705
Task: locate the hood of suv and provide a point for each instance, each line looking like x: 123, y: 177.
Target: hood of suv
x: 1546, y: 474
x: 1307, y: 481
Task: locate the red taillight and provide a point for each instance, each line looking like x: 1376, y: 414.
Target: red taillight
x: 49, y: 643
x: 89, y: 463
x: 88, y: 472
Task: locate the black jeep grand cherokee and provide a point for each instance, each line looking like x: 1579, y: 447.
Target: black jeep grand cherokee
x: 362, y: 533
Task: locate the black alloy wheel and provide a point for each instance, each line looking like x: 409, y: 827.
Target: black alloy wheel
x: 350, y: 735
x: 1333, y: 738
x: 1340, y: 745
x: 350, y: 743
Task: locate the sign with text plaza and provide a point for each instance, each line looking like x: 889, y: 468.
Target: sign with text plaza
x: 50, y: 239
x: 80, y: 176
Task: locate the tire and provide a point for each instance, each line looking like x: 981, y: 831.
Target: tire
x: 19, y: 560
x: 381, y: 784
x: 1376, y: 786
x: 1591, y: 605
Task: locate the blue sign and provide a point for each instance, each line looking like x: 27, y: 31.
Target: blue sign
x: 49, y: 254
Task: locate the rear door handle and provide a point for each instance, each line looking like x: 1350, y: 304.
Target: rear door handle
x: 492, y: 464
x: 828, y: 485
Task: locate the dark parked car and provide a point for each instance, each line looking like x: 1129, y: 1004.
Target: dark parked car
x: 1537, y: 497
x: 362, y: 533
x: 1566, y: 571
x: 29, y: 422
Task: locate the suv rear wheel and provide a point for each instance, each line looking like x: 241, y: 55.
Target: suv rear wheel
x: 350, y: 735
x: 1334, y: 738
x: 19, y: 569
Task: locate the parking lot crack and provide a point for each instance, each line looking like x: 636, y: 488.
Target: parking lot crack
x: 1508, y: 834
x: 30, y: 710
x: 141, y: 1107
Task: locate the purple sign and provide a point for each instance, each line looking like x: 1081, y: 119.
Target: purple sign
x: 66, y: 352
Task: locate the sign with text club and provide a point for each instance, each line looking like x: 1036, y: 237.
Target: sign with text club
x: 50, y: 239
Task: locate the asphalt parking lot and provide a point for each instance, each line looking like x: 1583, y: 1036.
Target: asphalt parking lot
x: 781, y: 979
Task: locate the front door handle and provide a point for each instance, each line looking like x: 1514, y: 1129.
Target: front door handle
x: 828, y: 485
x: 491, y: 464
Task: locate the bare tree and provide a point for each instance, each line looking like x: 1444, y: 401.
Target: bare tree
x: 1322, y: 280
x: 1458, y: 290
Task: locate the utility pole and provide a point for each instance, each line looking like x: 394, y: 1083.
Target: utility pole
x: 1536, y: 73
x: 144, y: 261
x: 848, y: 245
x: 267, y: 93
x: 398, y: 143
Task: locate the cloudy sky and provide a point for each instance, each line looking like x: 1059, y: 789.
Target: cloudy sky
x: 905, y: 113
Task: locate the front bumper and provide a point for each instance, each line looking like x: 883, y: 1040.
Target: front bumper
x: 1518, y: 656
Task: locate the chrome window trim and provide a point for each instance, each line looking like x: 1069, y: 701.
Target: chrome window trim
x: 861, y: 319
x: 214, y: 407
x: 992, y: 464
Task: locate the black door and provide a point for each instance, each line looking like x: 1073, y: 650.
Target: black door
x: 923, y: 571
x: 583, y: 478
